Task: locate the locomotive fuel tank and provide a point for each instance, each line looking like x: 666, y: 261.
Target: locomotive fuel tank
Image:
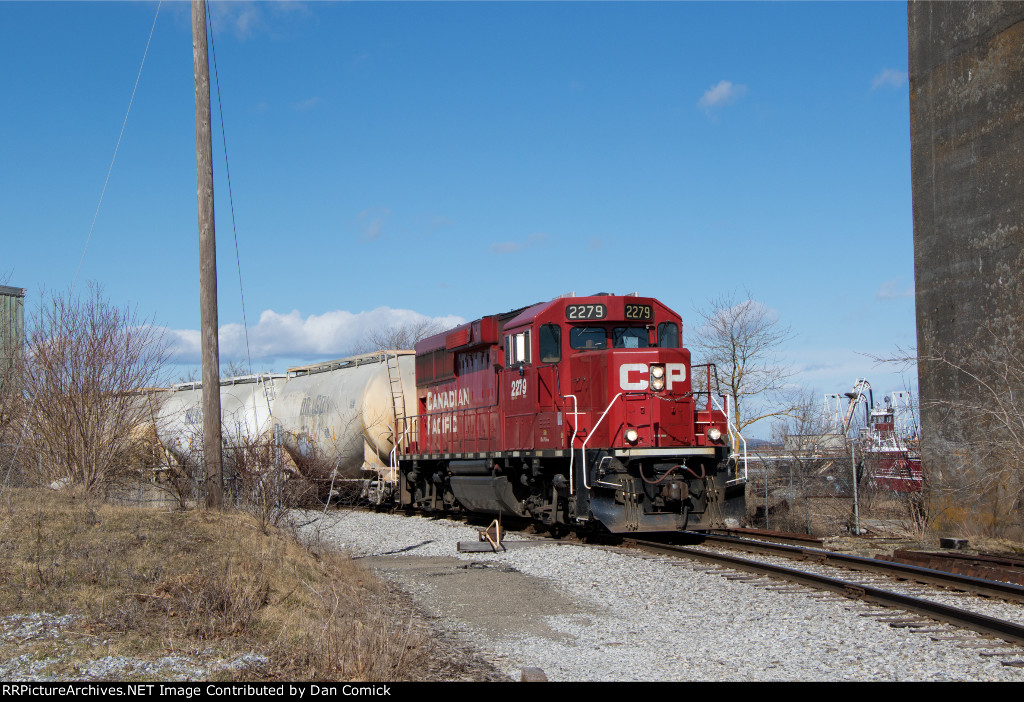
x: 343, y: 413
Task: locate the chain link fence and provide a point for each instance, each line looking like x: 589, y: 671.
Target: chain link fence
x: 820, y: 494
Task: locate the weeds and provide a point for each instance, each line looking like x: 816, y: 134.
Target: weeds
x: 149, y: 584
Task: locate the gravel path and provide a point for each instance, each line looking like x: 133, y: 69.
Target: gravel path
x: 588, y: 614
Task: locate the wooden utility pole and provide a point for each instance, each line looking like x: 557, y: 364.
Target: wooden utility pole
x: 207, y: 264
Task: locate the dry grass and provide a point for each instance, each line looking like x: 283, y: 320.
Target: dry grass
x: 880, y: 512
x: 203, y: 586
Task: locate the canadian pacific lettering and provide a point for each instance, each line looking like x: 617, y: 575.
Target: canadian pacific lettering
x: 441, y: 401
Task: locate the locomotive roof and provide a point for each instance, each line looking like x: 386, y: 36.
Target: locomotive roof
x: 437, y: 341
x: 529, y: 314
x: 508, y: 320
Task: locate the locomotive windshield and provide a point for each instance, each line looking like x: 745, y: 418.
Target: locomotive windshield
x: 630, y: 338
x: 588, y: 338
x: 635, y: 337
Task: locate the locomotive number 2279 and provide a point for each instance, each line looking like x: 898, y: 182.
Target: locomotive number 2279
x: 639, y: 312
x: 586, y: 311
x: 519, y: 387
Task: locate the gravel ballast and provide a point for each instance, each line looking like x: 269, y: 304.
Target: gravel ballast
x: 589, y: 614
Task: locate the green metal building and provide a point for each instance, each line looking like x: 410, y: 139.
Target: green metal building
x: 12, y: 327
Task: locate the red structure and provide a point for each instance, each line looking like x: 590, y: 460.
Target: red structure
x: 892, y: 452
x: 576, y: 410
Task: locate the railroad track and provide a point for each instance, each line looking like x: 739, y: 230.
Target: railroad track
x: 993, y: 642
x: 915, y: 613
x: 984, y: 587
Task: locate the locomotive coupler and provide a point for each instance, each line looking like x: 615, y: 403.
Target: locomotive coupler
x: 675, y: 491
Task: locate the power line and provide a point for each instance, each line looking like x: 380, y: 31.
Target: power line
x: 231, y: 201
x: 74, y: 280
x: 116, y: 147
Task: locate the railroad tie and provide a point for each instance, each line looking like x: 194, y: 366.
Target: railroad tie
x: 905, y: 622
x: 992, y: 654
x: 973, y: 641
x: 743, y: 578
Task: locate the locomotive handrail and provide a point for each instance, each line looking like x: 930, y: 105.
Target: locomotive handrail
x: 733, y: 430
x: 575, y: 422
x: 713, y: 397
x: 593, y: 429
x: 572, y: 440
x: 392, y: 458
x: 575, y: 426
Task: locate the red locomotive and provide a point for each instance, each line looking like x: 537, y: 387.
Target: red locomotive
x: 573, y: 411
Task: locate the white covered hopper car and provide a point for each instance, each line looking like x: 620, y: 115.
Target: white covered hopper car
x: 334, y: 420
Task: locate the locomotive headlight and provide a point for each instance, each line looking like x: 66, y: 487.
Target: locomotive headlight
x: 632, y: 436
x: 714, y: 434
x: 657, y: 377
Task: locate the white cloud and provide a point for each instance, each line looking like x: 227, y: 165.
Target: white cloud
x: 506, y: 247
x: 889, y: 77
x: 307, y: 104
x: 894, y: 289
x: 246, y: 19
x: 331, y: 334
x: 437, y: 222
x: 511, y: 247
x: 724, y: 93
x: 372, y: 221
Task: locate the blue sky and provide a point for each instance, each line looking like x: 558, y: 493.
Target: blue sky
x: 397, y: 160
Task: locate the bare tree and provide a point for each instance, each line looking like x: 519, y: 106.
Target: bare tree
x: 742, y: 338
x: 86, y: 363
x: 976, y: 426
x: 398, y: 336
x: 234, y: 369
x: 811, y: 468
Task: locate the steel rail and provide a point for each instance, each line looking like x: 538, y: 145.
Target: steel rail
x: 930, y: 576
x: 776, y: 537
x: 983, y: 624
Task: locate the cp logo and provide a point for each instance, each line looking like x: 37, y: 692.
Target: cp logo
x: 637, y: 376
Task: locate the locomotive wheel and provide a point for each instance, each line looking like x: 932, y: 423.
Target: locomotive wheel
x: 559, y: 531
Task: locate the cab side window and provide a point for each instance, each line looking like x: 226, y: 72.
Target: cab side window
x: 668, y: 335
x: 550, y: 339
x: 517, y: 348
